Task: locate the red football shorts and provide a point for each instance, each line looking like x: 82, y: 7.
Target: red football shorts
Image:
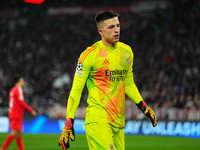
x: 16, y: 124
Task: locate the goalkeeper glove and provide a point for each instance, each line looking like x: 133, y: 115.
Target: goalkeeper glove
x: 148, y: 112
x: 67, y: 131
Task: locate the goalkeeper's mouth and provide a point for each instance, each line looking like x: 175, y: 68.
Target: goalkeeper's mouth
x: 116, y: 36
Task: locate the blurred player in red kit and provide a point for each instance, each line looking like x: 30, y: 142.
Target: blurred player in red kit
x: 16, y: 113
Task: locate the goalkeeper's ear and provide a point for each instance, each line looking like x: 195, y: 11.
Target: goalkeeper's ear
x: 100, y: 32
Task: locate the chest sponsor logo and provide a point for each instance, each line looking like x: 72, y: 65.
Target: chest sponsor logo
x: 116, y: 75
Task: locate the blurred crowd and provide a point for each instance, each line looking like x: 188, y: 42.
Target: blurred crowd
x: 166, y: 46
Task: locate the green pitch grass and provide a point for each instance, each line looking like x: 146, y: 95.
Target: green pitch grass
x: 133, y: 142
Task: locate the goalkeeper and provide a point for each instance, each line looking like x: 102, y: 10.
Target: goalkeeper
x: 106, y: 66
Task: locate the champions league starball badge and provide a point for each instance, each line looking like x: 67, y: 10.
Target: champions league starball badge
x: 79, y: 66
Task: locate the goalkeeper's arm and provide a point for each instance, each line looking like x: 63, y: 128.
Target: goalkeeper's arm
x: 133, y: 93
x: 80, y: 77
x: 135, y: 96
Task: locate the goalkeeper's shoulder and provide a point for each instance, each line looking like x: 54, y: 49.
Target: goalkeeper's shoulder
x: 90, y: 52
x: 125, y: 46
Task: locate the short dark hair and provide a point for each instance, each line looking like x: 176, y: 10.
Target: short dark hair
x: 104, y: 15
x: 17, y: 78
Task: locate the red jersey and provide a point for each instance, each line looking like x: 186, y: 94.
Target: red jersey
x: 17, y: 103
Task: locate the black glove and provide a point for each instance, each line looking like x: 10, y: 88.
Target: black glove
x: 148, y: 112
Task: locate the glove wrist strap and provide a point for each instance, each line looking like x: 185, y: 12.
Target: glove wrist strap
x: 69, y: 123
x: 142, y: 106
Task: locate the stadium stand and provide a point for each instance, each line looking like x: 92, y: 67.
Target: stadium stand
x: 44, y: 46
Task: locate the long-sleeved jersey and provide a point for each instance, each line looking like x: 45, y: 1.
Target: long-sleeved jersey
x: 108, y: 73
x: 17, y: 103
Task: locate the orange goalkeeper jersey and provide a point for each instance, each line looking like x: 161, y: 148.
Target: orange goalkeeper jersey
x: 108, y: 73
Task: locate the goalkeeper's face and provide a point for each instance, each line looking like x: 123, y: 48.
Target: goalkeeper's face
x: 110, y: 31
